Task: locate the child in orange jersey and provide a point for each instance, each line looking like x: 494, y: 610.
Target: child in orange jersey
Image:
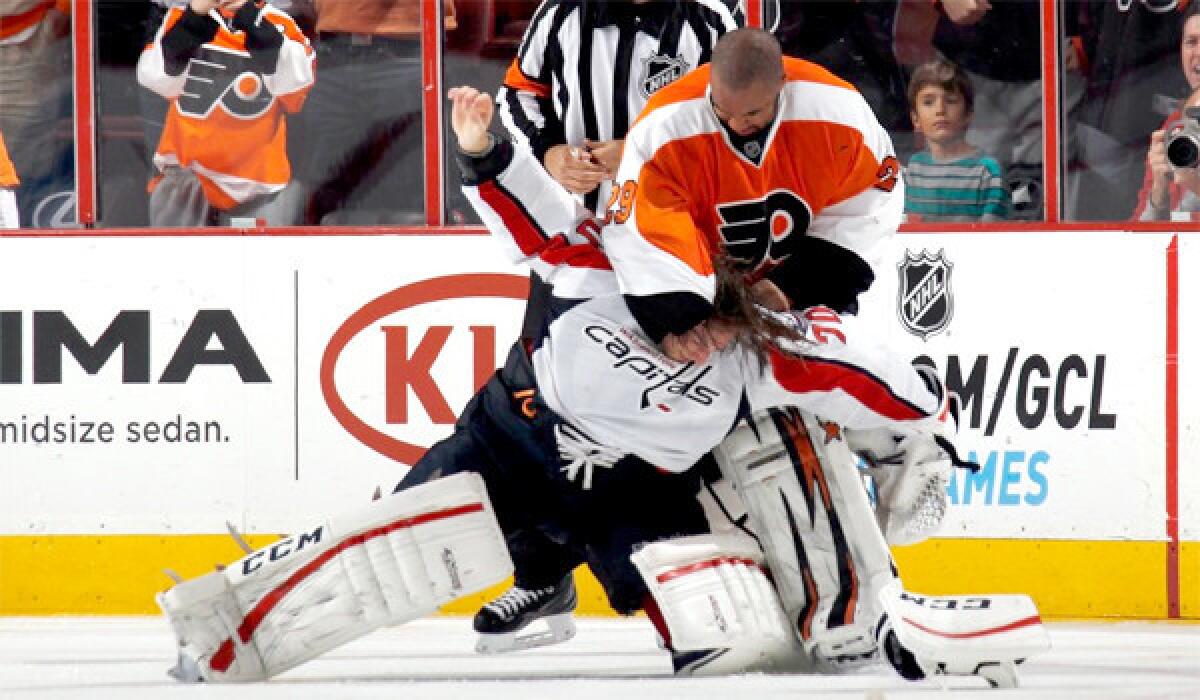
x: 233, y: 70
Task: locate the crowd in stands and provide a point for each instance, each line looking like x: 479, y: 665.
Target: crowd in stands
x: 312, y: 111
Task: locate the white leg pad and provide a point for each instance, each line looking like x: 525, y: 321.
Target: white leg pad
x: 714, y: 596
x: 805, y: 497
x: 984, y: 635
x: 394, y: 560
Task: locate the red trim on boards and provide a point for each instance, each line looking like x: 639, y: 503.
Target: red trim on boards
x: 431, y: 82
x: 1050, y: 122
x: 754, y: 13
x: 85, y: 113
x: 216, y: 232
x: 1172, y: 428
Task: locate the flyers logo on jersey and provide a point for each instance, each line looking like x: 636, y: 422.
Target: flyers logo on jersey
x: 888, y: 173
x: 764, y: 230
x: 221, y: 77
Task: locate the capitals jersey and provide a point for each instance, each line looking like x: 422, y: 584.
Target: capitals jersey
x: 825, y: 170
x: 227, y: 119
x: 619, y: 394
x: 585, y: 69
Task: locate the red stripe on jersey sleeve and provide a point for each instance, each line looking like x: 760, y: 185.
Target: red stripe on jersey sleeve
x: 816, y: 374
x: 532, y: 242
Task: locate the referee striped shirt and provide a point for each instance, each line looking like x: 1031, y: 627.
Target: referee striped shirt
x: 585, y: 69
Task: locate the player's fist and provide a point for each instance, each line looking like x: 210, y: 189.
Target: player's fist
x: 203, y: 7
x: 470, y: 115
x: 966, y: 12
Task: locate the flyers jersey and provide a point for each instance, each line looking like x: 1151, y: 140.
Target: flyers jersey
x: 227, y: 121
x: 826, y: 169
x: 8, y: 174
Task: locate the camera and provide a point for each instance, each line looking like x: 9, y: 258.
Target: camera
x: 1183, y: 145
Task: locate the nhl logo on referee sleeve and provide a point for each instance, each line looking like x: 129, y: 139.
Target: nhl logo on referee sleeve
x: 925, y: 304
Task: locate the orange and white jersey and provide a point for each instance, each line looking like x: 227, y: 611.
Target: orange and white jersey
x: 19, y: 19
x: 8, y: 174
x: 826, y: 169
x: 227, y: 120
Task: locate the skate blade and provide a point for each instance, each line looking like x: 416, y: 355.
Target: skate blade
x: 186, y: 670
x: 558, y: 628
x: 999, y: 675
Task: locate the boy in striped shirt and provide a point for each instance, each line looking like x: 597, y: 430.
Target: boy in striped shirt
x: 951, y: 180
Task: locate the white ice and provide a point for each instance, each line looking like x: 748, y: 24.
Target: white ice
x: 610, y: 659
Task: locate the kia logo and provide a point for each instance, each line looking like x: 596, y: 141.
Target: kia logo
x: 411, y: 371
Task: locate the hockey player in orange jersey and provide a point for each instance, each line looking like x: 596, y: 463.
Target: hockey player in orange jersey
x: 233, y: 70
x: 765, y: 159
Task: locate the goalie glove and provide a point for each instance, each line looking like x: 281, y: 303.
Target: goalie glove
x: 912, y: 470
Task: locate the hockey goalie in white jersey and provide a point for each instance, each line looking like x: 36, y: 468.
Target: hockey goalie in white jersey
x: 589, y: 406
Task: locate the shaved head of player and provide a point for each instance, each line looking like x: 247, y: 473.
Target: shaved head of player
x: 747, y: 77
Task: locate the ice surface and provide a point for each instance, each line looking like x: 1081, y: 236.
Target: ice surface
x: 610, y: 659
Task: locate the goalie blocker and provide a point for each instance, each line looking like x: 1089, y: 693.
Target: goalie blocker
x: 395, y: 560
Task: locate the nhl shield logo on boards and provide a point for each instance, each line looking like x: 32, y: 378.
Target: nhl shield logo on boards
x: 925, y: 304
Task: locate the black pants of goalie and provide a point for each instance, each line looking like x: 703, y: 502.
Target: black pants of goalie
x: 506, y: 434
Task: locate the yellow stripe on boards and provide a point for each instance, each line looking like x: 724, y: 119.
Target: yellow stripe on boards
x: 1066, y: 578
x: 119, y: 574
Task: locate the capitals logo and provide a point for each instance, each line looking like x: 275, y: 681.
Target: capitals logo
x: 925, y: 302
x: 658, y: 71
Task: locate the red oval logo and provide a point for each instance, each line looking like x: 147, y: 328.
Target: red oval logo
x: 423, y: 292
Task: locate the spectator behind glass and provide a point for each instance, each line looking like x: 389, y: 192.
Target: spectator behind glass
x: 1169, y: 190
x: 997, y: 44
x: 9, y: 219
x: 1131, y: 66
x: 360, y: 155
x: 232, y: 70
x: 952, y: 180
x: 35, y: 98
x: 1164, y: 188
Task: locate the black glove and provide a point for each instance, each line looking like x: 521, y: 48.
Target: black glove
x: 263, y: 39
x: 182, y: 41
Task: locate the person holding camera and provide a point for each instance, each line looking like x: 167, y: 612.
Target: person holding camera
x: 1168, y: 188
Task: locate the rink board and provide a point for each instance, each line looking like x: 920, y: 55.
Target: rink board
x: 154, y: 388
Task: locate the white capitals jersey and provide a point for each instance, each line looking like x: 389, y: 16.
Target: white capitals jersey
x: 598, y: 370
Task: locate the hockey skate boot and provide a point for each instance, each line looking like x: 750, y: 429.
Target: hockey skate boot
x: 502, y: 623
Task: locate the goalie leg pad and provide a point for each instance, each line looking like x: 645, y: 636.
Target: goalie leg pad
x: 964, y: 635
x: 395, y: 560
x: 807, y: 503
x: 721, y: 613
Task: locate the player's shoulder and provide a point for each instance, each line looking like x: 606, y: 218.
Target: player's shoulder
x: 798, y: 70
x: 691, y: 86
x: 816, y: 94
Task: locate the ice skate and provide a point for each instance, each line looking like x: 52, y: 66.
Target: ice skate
x: 503, y: 623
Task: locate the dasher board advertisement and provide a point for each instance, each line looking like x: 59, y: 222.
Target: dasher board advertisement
x: 1055, y: 343
x: 165, y: 385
